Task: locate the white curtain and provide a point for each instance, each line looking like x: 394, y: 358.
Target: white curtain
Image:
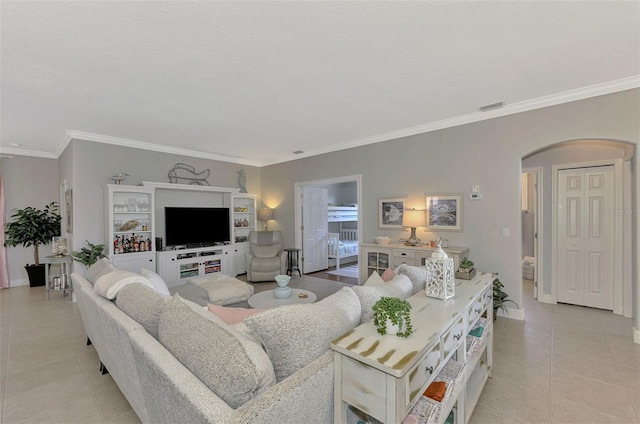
x: 4, y: 267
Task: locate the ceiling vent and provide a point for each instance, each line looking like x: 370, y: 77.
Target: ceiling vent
x: 491, y: 106
x: 298, y: 152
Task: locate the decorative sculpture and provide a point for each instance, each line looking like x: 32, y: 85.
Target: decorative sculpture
x: 440, y: 274
x: 242, y: 181
x: 186, y: 174
x: 117, y: 179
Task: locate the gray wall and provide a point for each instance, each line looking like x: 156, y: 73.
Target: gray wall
x: 487, y: 153
x: 28, y: 181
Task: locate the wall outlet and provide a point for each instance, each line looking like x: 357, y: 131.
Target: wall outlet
x: 506, y: 232
x: 475, y: 196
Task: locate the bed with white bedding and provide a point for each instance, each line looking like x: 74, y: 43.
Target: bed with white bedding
x: 344, y: 243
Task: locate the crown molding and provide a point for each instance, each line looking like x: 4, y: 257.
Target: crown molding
x: 99, y: 138
x: 609, y: 87
x: 24, y: 152
x: 510, y: 109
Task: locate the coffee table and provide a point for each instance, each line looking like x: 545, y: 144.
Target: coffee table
x: 265, y: 299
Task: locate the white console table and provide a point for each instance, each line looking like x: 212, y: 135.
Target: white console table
x: 378, y: 257
x: 385, y: 376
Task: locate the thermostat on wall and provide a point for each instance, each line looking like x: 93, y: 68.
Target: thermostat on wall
x: 475, y: 196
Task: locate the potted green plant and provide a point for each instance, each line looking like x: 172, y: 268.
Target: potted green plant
x: 33, y: 227
x: 466, y: 270
x: 391, y: 316
x: 500, y: 298
x: 90, y: 254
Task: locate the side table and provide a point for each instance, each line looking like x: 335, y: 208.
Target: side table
x: 61, y: 281
x: 293, y: 260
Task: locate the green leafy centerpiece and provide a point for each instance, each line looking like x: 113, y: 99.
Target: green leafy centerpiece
x: 466, y: 270
x: 392, y: 316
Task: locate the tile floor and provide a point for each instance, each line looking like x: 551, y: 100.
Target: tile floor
x: 563, y: 364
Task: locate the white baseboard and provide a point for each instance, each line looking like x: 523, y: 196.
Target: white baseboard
x: 636, y: 335
x: 19, y: 282
x: 517, y: 314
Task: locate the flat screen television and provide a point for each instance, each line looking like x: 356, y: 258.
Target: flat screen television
x: 196, y: 226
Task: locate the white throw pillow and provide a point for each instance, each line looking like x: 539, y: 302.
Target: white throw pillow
x: 400, y: 287
x: 156, y: 281
x: 295, y: 335
x: 374, y: 280
x: 110, y: 284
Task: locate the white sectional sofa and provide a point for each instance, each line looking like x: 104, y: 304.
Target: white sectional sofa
x: 176, y: 362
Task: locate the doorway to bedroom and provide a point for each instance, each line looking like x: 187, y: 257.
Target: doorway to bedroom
x: 327, y: 227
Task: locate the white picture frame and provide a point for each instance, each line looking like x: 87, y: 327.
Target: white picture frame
x: 390, y: 212
x: 444, y: 212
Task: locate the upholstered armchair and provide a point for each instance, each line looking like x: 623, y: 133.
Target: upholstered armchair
x: 265, y: 258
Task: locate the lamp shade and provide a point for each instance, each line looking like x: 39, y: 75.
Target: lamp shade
x: 413, y: 218
x: 265, y: 214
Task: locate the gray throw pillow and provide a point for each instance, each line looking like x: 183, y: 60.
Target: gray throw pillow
x: 295, y: 335
x: 400, y: 286
x: 417, y: 275
x: 230, y: 364
x: 143, y: 304
x: 98, y: 269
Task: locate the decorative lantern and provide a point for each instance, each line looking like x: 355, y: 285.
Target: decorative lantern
x: 441, y: 275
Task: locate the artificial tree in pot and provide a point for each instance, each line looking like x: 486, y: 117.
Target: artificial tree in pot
x: 33, y: 227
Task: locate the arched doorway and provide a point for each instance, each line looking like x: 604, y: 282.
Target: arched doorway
x: 558, y: 155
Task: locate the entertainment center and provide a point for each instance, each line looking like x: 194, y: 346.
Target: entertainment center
x: 196, y: 224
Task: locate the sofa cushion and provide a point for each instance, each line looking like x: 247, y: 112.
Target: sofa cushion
x: 143, y: 304
x: 400, y: 287
x: 108, y: 285
x: 231, y: 365
x: 295, y: 335
x: 156, y: 280
x: 98, y: 269
x: 222, y: 289
x: 417, y: 275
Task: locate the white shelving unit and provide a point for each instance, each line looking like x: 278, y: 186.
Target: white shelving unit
x: 244, y: 221
x: 130, y: 229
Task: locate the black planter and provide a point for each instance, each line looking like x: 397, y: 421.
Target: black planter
x: 36, y: 275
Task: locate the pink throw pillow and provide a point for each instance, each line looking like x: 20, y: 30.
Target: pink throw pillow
x: 231, y: 315
x: 388, y: 275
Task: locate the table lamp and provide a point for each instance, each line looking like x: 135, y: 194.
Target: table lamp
x: 265, y: 214
x: 413, y: 218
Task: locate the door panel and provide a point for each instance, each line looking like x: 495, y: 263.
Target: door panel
x: 314, y: 229
x: 585, y: 242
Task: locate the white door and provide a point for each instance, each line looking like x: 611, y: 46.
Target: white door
x: 314, y: 229
x: 585, y: 236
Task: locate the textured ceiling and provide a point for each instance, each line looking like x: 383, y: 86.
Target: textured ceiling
x: 254, y: 81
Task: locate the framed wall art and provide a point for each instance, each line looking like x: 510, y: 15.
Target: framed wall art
x: 390, y: 212
x: 68, y: 205
x: 444, y: 212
